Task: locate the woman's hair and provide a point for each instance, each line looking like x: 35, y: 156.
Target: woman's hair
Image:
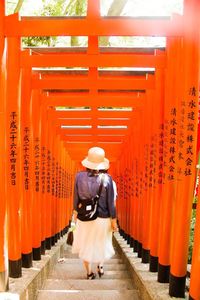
x: 92, y: 172
x: 103, y: 171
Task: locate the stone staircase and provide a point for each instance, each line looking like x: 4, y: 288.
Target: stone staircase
x: 68, y: 280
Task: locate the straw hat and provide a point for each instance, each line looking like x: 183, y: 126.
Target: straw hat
x: 96, y: 159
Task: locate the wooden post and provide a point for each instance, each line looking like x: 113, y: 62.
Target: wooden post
x: 13, y: 163
x: 49, y: 239
x: 27, y: 165
x: 157, y: 169
x: 36, y: 153
x: 43, y: 176
x: 147, y: 110
x: 170, y: 151
x: 3, y: 206
x: 148, y: 179
x: 194, y: 292
x: 187, y: 149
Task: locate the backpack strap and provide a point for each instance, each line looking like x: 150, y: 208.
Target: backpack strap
x: 100, y: 187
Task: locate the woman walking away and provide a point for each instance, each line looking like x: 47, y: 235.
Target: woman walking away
x: 93, y: 236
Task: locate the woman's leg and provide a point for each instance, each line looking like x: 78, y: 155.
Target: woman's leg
x: 88, y: 267
x: 100, y: 269
x: 90, y: 274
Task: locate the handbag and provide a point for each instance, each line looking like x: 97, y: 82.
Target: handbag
x: 87, y: 208
x: 70, y: 238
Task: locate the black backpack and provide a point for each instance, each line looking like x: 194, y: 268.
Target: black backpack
x: 88, y: 208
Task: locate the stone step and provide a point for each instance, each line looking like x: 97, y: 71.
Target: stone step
x: 68, y: 254
x: 60, y: 273
x: 84, y: 284
x: 78, y: 261
x: 79, y: 266
x: 88, y: 295
x: 67, y: 281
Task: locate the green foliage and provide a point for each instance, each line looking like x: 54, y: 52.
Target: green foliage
x: 37, y: 41
x: 58, y: 8
x: 191, y: 240
x: 53, y: 8
x: 76, y: 8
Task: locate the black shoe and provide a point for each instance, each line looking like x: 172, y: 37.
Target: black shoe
x: 100, y: 271
x: 91, y: 276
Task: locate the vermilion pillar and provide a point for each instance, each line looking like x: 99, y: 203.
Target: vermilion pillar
x: 147, y: 110
x: 44, y: 176
x: 195, y: 270
x: 13, y: 163
x: 48, y: 186
x: 3, y: 224
x: 170, y: 147
x: 27, y: 165
x: 43, y: 114
x: 36, y: 154
x: 148, y: 171
x: 187, y: 141
x: 157, y: 169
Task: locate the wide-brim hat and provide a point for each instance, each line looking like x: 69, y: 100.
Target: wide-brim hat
x: 96, y: 159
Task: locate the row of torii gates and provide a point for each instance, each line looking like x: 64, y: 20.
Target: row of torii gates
x: 147, y: 122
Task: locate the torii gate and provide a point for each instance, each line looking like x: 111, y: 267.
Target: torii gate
x: 151, y: 146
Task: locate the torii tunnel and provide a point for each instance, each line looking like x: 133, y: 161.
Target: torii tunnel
x: 146, y: 121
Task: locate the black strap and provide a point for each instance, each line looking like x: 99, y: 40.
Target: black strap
x: 100, y: 187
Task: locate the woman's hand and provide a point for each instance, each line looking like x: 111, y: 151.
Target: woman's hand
x: 74, y: 216
x: 114, y: 225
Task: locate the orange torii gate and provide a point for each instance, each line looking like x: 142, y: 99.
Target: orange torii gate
x: 152, y: 159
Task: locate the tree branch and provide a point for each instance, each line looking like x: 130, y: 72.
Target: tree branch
x: 116, y: 7
x: 18, y: 6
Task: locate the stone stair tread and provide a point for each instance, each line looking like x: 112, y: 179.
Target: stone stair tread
x: 69, y: 254
x: 76, y: 274
x: 79, y: 266
x: 88, y: 295
x: 78, y: 260
x: 84, y: 284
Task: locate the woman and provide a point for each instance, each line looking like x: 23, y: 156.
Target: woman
x: 93, y: 239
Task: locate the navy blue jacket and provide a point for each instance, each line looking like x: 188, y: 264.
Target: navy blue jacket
x: 87, y: 186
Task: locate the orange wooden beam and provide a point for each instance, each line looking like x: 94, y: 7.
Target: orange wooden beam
x: 93, y: 138
x: 79, y: 157
x: 94, y: 100
x: 90, y: 114
x: 81, y: 153
x: 119, y: 26
x: 93, y: 131
x: 100, y: 83
x: 76, y: 147
x: 86, y: 121
x: 93, y: 60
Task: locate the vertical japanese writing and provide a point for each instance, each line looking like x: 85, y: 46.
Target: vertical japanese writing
x: 160, y: 154
x: 59, y: 181
x: 48, y: 173
x: 26, y: 157
x: 43, y: 168
x: 181, y: 141
x: 53, y: 180
x: 136, y: 178
x: 152, y: 163
x: 37, y: 164
x: 63, y: 183
x: 13, y: 147
x: 190, y: 135
x: 172, y: 144
x: 165, y: 150
x: 56, y: 187
x: 146, y: 166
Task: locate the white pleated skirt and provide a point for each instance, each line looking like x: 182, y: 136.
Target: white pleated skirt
x: 93, y: 240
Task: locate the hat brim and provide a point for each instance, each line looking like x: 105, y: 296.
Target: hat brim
x: 96, y: 166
